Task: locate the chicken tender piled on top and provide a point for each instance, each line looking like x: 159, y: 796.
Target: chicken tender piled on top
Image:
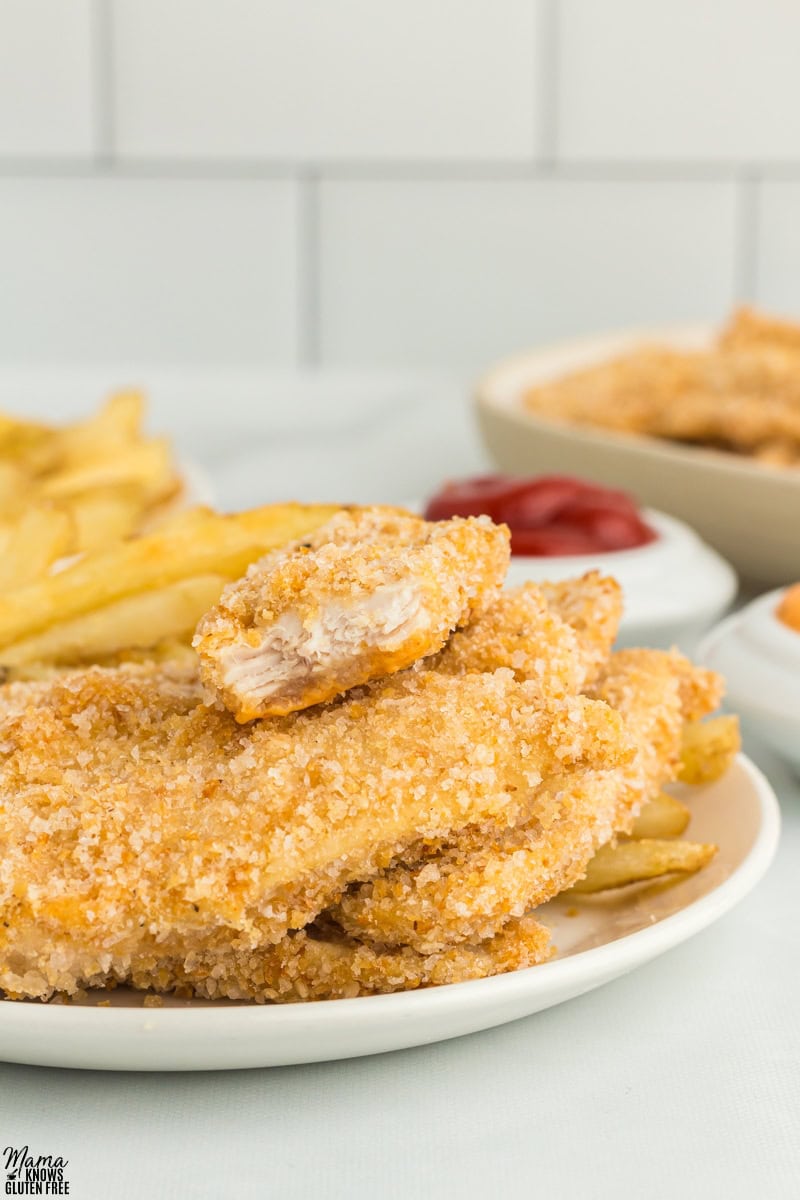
x: 137, y: 825
x: 364, y: 596
x: 592, y: 607
x: 555, y: 635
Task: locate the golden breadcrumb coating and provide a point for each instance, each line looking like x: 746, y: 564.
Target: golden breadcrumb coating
x: 592, y: 605
x: 364, y: 596
x: 556, y: 634
x: 748, y: 329
x: 656, y: 692
x: 322, y: 963
x: 134, y: 820
x: 473, y: 885
x: 741, y: 395
x: 517, y: 630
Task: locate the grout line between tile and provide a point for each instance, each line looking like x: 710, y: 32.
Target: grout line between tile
x: 308, y: 299
x: 102, y: 84
x: 746, y: 231
x: 546, y: 83
x: 412, y: 171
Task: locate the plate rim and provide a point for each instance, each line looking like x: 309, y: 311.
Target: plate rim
x: 611, y: 960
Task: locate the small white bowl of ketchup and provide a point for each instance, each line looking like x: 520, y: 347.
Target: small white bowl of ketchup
x: 674, y: 585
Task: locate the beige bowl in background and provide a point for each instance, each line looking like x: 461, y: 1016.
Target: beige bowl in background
x: 749, y: 512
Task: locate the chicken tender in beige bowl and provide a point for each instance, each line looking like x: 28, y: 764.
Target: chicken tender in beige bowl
x: 749, y: 510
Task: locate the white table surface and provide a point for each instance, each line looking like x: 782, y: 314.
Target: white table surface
x: 680, y: 1080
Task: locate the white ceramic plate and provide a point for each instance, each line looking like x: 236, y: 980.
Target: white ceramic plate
x: 609, y: 937
x: 745, y: 510
x: 760, y: 659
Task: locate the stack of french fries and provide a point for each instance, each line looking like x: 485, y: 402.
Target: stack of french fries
x: 66, y: 490
x: 96, y: 563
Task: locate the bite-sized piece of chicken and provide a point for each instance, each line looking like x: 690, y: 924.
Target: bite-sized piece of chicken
x: 323, y: 963
x: 135, y: 821
x: 364, y: 596
x: 592, y: 605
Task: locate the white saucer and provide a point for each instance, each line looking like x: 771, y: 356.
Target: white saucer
x: 759, y: 657
x: 673, y: 588
x: 610, y: 936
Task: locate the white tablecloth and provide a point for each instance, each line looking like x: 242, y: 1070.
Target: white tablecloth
x: 680, y: 1080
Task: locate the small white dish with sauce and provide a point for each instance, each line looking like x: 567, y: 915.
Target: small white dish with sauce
x: 674, y: 588
x: 760, y: 658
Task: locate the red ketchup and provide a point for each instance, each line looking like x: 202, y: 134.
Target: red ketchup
x: 551, y: 515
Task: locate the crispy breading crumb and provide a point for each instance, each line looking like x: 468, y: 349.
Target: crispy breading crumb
x: 322, y: 963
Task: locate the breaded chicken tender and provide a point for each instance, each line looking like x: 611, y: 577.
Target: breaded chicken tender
x: 137, y: 824
x: 366, y: 595
x: 518, y: 631
x: 475, y: 884
x: 323, y: 963
x: 554, y: 634
x: 592, y: 606
x: 656, y: 692
x: 741, y: 395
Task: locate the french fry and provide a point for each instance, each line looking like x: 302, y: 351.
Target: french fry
x: 105, y: 516
x: 21, y: 439
x: 635, y: 861
x: 661, y: 817
x: 30, y: 543
x: 122, y: 414
x: 182, y: 519
x: 175, y: 651
x: 14, y: 484
x: 116, y: 425
x: 218, y: 545
x: 147, y: 464
x: 133, y: 622
x: 708, y: 749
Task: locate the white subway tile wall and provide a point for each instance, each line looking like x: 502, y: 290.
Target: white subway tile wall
x: 306, y: 80
x: 705, y: 81
x: 46, y: 79
x: 463, y: 272
x: 140, y: 270
x: 294, y: 182
x: 778, y: 263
